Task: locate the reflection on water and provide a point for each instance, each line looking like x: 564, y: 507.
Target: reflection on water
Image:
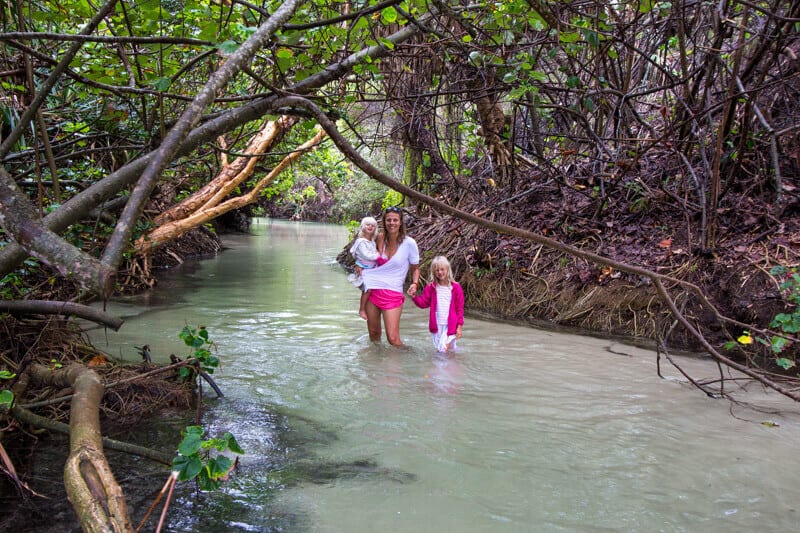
x: 520, y: 430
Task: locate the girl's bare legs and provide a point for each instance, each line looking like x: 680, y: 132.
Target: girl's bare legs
x: 373, y: 321
x: 391, y: 321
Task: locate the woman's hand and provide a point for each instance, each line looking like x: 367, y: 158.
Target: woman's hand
x: 458, y: 332
x: 412, y: 289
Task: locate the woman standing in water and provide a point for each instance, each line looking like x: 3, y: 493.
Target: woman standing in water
x: 386, y: 282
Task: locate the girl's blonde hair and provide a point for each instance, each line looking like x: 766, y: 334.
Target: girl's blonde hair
x: 438, y: 261
x: 364, y: 222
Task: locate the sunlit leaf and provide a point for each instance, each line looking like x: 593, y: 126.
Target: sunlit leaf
x: 389, y: 15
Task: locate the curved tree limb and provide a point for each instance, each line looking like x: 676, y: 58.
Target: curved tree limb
x: 172, y: 230
x: 49, y: 307
x: 18, y: 217
x: 91, y: 487
x: 657, y: 279
x: 112, y: 256
x: 231, y: 175
x: 76, y: 207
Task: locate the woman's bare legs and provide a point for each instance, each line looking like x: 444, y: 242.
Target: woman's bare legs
x: 362, y: 305
x: 373, y: 321
x: 391, y: 321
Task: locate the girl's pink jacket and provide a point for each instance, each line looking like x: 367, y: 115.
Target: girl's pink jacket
x: 455, y: 317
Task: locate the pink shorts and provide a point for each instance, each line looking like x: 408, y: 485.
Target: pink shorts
x: 386, y: 299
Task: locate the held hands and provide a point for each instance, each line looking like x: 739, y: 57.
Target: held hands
x: 412, y: 289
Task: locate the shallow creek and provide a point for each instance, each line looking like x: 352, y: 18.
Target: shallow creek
x: 521, y: 430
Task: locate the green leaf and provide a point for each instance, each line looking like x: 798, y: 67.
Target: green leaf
x: 161, y: 84
x: 284, y: 53
x: 591, y: 37
x: 784, y: 363
x: 6, y: 399
x: 206, y: 482
x: 219, y: 466
x: 389, y: 15
x: 387, y: 43
x: 232, y: 444
x: 228, y: 47
x: 187, y: 467
x: 5, y: 374
x: 190, y: 445
x: 573, y: 82
x: 569, y: 37
x: 645, y: 6
x: 778, y: 344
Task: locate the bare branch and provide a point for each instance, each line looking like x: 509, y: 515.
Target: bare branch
x: 50, y: 307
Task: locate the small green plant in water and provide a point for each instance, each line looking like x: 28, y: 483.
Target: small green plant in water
x: 195, y: 459
x: 787, y: 323
x: 197, y: 340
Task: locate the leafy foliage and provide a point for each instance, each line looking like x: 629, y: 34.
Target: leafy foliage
x: 197, y: 339
x: 196, y: 461
x: 787, y: 323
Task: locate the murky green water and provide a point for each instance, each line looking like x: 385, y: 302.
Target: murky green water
x: 522, y: 430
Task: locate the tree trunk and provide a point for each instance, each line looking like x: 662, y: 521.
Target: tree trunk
x: 91, y: 487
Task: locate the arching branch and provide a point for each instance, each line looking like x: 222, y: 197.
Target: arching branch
x: 656, y: 278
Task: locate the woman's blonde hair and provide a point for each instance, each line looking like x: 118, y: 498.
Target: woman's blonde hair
x: 438, y: 261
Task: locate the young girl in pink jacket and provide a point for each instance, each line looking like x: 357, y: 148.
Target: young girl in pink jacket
x: 445, y: 298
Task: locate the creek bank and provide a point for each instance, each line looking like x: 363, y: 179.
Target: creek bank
x: 510, y: 278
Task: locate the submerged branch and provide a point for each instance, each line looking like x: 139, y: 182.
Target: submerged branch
x: 22, y: 414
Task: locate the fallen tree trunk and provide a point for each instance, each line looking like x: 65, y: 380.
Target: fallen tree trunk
x: 212, y: 209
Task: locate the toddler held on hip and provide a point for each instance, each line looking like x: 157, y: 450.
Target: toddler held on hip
x: 366, y: 255
x: 445, y: 298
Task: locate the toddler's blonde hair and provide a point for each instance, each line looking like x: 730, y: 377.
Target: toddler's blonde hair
x: 364, y: 222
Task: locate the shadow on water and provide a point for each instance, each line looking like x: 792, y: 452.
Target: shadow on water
x: 280, y: 443
x: 279, y: 455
